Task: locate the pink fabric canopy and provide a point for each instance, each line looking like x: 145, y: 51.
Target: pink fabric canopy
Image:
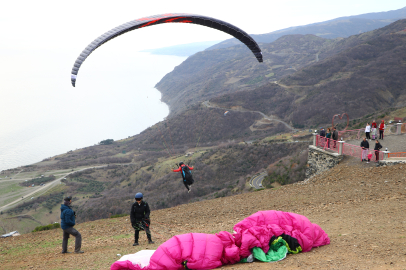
x: 208, y: 251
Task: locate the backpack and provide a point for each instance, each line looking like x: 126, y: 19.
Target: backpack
x: 187, y: 175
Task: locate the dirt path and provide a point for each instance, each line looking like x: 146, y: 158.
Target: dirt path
x: 211, y: 105
x: 360, y: 208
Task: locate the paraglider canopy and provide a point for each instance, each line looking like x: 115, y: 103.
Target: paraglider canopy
x: 225, y: 113
x: 166, y: 18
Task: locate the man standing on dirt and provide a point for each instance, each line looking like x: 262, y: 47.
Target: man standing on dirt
x: 140, y: 218
x: 365, y: 149
x: 67, y: 223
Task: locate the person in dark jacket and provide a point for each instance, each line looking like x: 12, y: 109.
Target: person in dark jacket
x: 67, y: 223
x: 377, y: 148
x: 365, y: 149
x: 140, y: 218
x: 334, y: 136
x: 186, y: 182
x: 322, y: 132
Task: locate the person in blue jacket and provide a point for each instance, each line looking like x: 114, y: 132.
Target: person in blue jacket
x: 67, y: 223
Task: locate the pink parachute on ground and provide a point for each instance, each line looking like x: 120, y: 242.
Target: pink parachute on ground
x: 208, y: 251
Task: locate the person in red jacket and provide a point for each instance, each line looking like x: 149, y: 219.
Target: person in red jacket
x: 373, y: 125
x: 186, y: 175
x: 381, y: 130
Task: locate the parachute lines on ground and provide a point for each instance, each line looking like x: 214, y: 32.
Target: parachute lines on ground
x: 166, y: 18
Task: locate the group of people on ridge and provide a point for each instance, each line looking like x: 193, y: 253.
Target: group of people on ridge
x: 329, y: 135
x: 371, y: 129
x: 139, y: 214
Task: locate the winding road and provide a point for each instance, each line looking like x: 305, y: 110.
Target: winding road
x: 48, y: 186
x: 209, y: 105
x: 256, y: 182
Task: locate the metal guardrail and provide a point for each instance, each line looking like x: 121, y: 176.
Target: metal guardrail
x: 347, y: 149
x: 397, y: 155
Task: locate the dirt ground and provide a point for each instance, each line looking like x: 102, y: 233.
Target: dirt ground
x: 362, y: 209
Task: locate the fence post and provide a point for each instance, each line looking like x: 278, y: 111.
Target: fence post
x: 341, y: 145
x: 314, y: 139
x: 385, y: 155
x: 399, y: 129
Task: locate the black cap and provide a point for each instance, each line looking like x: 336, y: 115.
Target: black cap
x: 69, y: 198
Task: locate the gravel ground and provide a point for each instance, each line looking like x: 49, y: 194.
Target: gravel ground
x: 361, y: 208
x: 394, y: 143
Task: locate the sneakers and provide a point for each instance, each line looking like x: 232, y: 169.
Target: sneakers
x: 79, y: 252
x: 151, y: 242
x: 135, y: 244
x: 66, y: 252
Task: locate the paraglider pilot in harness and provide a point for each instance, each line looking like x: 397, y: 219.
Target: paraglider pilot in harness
x: 186, y: 175
x: 140, y: 218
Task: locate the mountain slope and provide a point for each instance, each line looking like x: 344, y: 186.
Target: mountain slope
x: 339, y: 27
x: 211, y: 73
x: 317, y: 77
x: 356, y: 206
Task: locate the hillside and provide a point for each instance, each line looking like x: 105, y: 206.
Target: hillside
x: 358, y: 75
x: 336, y: 28
x: 211, y: 73
x: 358, y: 207
x: 363, y: 78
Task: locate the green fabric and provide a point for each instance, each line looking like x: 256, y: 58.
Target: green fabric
x: 277, y: 251
x: 296, y: 251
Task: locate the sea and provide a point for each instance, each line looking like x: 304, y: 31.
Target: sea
x: 42, y: 115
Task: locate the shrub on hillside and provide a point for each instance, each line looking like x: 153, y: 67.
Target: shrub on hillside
x: 47, y: 227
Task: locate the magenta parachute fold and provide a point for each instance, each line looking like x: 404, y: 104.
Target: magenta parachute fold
x: 207, y: 251
x: 257, y: 229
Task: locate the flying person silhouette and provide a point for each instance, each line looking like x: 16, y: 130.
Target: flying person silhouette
x: 186, y: 175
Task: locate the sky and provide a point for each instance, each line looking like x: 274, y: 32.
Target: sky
x: 58, y: 26
x: 71, y: 25
x: 41, y: 39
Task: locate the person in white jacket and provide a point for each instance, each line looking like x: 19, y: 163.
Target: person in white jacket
x: 368, y: 131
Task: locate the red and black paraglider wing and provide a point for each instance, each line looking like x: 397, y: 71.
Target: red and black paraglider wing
x: 167, y: 18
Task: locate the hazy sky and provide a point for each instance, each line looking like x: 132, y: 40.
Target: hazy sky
x: 41, y: 39
x: 71, y: 25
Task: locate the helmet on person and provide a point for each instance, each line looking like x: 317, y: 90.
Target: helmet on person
x: 181, y: 163
x: 138, y: 195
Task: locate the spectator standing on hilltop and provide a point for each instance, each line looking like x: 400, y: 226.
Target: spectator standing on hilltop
x: 373, y: 130
x: 67, y: 223
x: 377, y: 148
x: 335, y: 136
x: 374, y: 125
x: 381, y: 130
x: 322, y: 132
x: 140, y: 218
x: 365, y: 149
x: 368, y: 131
x: 328, y: 136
